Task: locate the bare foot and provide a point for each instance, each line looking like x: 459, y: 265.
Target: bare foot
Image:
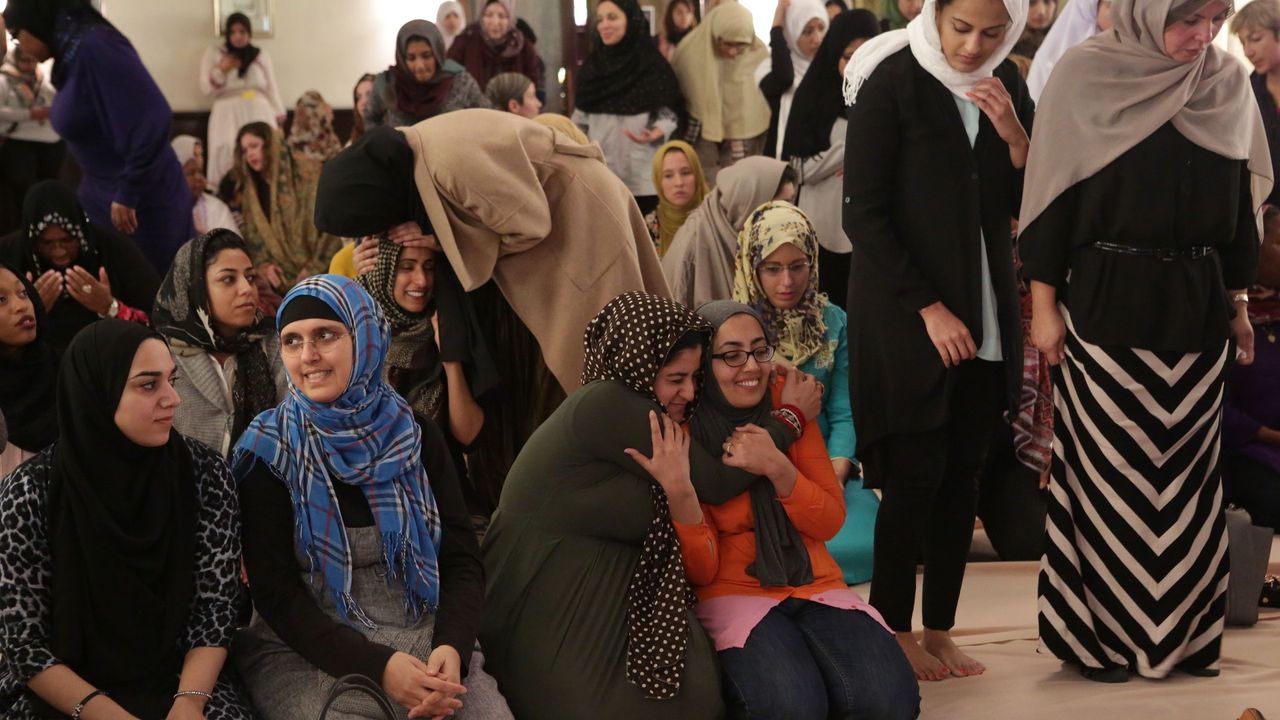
x: 938, y: 643
x: 926, y: 666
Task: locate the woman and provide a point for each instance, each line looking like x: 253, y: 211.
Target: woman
x: 28, y: 371
x: 564, y: 125
x: 451, y: 18
x: 359, y: 101
x: 422, y: 84
x: 934, y: 333
x: 769, y: 593
x: 30, y: 149
x: 227, y: 354
x: 699, y: 263
x: 337, y: 480
x: 115, y: 121
x: 208, y: 211
x: 895, y: 14
x: 493, y: 44
x: 274, y: 189
x: 1141, y: 387
x: 1040, y: 17
x: 1079, y: 22
x: 515, y: 93
x: 681, y: 186
x: 625, y: 95
x: 81, y: 271
x: 119, y: 548
x: 715, y: 64
x: 678, y: 19
x: 241, y: 79
x: 1258, y: 27
x: 798, y: 29
x: 311, y: 133
x: 814, y: 143
x: 583, y: 537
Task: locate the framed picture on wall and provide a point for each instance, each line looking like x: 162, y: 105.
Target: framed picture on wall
x: 651, y: 14
x: 261, y: 14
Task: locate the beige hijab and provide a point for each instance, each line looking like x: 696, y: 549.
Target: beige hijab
x: 1111, y: 92
x: 722, y: 93
x: 699, y: 265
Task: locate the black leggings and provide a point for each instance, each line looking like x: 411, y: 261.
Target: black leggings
x: 930, y: 484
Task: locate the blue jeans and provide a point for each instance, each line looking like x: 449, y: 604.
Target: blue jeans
x: 808, y: 661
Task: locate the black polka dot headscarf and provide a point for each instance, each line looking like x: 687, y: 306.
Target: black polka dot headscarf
x: 629, y: 341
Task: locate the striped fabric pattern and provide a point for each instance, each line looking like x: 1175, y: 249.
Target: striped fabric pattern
x: 1135, y: 570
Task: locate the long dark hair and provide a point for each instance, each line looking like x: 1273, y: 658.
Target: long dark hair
x: 674, y: 34
x: 357, y: 123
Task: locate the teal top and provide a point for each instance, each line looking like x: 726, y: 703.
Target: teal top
x: 990, y: 348
x: 836, y: 420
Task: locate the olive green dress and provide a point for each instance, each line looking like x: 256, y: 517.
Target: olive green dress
x: 558, y: 557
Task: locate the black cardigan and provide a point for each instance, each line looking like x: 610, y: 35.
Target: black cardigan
x: 775, y: 84
x: 916, y: 196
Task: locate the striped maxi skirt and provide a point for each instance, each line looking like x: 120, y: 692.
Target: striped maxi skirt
x: 1135, y: 568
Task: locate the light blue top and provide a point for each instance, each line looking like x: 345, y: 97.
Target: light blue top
x: 836, y: 420
x: 990, y: 348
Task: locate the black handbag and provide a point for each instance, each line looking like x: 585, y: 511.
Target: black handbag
x: 359, y: 684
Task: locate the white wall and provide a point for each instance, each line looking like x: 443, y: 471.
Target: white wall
x: 323, y: 45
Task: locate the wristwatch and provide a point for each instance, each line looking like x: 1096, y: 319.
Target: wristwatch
x: 112, y: 311
x: 1240, y: 298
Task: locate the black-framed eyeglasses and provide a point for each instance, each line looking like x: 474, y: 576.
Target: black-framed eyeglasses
x: 738, y: 358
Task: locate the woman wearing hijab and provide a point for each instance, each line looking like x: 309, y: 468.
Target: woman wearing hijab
x: 681, y: 186
x: 451, y: 18
x: 582, y: 544
x: 700, y: 261
x: 814, y: 144
x: 678, y: 19
x: 30, y: 149
x: 934, y: 332
x: 81, y: 271
x: 115, y: 121
x: 895, y: 14
x: 241, y: 79
x: 274, y: 190
x: 625, y: 95
x: 422, y: 84
x: 208, y: 211
x: 769, y: 593
x: 1040, y: 19
x: 716, y: 64
x: 359, y: 551
x: 563, y: 124
x: 1142, y: 305
x: 311, y: 133
x: 493, y: 45
x: 227, y: 353
x: 28, y: 371
x: 798, y: 29
x: 119, y: 550
x: 1079, y: 22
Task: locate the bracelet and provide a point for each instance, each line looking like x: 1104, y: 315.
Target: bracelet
x: 798, y: 412
x: 1240, y: 298
x: 79, y: 708
x: 788, y: 418
x: 193, y: 693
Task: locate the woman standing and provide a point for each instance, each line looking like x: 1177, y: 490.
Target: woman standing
x: 241, y: 79
x: 934, y: 333
x: 115, y: 121
x: 716, y: 64
x: 359, y: 552
x: 1079, y: 22
x: 1258, y: 27
x: 1040, y: 19
x: 451, y: 18
x: 28, y: 371
x: 626, y: 95
x: 798, y: 29
x: 681, y: 186
x: 30, y: 149
x: 814, y: 144
x: 1142, y: 304
x: 423, y: 83
x: 119, y: 550
x: 311, y: 134
x: 493, y: 45
x: 895, y: 14
x: 226, y: 352
x: 678, y: 19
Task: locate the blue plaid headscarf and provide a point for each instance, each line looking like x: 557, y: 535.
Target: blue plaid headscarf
x: 368, y: 438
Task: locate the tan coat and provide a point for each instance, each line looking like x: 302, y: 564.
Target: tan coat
x: 538, y: 213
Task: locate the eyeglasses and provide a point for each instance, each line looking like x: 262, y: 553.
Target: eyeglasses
x: 293, y: 345
x: 773, y: 270
x: 738, y: 358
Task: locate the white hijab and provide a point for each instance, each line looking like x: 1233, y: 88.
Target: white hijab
x: 798, y: 16
x: 1078, y: 22
x: 445, y: 9
x: 922, y: 35
x: 184, y: 146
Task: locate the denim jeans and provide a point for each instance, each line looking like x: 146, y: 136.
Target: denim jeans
x: 808, y: 661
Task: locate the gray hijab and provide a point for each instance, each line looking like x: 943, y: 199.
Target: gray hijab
x: 428, y: 31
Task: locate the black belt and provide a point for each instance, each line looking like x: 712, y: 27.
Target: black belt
x: 1193, y: 252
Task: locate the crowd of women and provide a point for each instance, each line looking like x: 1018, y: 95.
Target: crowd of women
x: 525, y: 415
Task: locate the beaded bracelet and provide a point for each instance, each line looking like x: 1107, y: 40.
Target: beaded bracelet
x: 79, y: 708
x: 193, y: 693
x: 788, y: 417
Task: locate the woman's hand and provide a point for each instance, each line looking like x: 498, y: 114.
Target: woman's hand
x: 1242, y: 332
x: 780, y: 14
x: 40, y: 114
x: 669, y: 467
x: 949, y: 335
x: 124, y: 219
x: 1049, y: 333
x: 187, y: 707
x: 93, y: 293
x: 49, y: 286
x: 803, y: 391
x: 990, y: 95
x: 228, y: 63
x: 409, y: 234
x: 444, y: 665
x: 648, y: 137
x: 407, y: 680
x: 751, y: 448
x: 366, y: 255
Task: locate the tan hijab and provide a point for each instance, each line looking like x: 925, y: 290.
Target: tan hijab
x: 722, y: 93
x: 671, y: 217
x: 1111, y: 92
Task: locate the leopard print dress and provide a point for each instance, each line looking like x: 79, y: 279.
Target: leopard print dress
x: 25, y: 605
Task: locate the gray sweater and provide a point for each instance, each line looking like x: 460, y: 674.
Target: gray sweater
x: 382, y: 110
